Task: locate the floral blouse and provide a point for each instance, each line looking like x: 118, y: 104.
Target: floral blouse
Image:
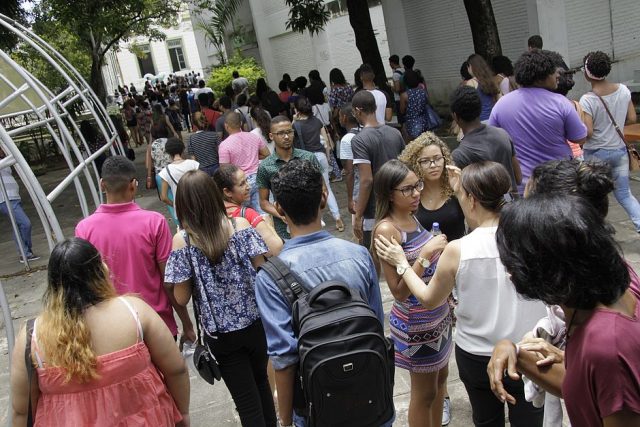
x: 340, y: 95
x: 159, y: 156
x: 225, y: 291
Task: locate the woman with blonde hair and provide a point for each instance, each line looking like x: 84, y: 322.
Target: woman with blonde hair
x: 88, y: 372
x: 422, y: 337
x: 214, y: 259
x: 428, y: 157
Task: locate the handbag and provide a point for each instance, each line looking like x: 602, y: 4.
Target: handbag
x: 634, y: 156
x: 203, y: 359
x: 433, y: 121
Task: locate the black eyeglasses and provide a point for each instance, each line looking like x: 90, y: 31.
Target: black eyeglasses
x: 436, y: 161
x: 284, y: 133
x: 409, y: 189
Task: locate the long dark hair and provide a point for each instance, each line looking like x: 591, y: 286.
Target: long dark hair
x: 76, y: 279
x: 558, y: 249
x: 388, y: 177
x: 201, y: 213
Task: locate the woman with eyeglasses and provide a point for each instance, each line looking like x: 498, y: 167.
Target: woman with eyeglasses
x: 422, y: 337
x: 427, y: 156
x: 489, y: 308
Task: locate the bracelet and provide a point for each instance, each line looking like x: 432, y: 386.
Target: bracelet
x: 517, y: 349
x: 283, y: 425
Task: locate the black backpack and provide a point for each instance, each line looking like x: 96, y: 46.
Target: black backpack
x: 346, y: 368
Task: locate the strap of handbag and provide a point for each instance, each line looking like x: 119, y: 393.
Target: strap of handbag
x: 30, y: 368
x: 196, y: 312
x: 298, y: 128
x: 330, y: 143
x: 615, y: 125
x: 171, y: 176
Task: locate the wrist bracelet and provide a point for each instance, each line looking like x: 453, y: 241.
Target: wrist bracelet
x: 285, y: 425
x: 517, y: 349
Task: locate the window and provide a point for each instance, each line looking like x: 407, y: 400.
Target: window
x: 176, y: 54
x: 146, y: 62
x: 338, y: 8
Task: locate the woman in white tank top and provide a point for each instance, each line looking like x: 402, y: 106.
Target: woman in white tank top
x: 488, y: 308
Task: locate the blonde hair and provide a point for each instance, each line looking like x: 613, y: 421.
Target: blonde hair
x: 77, y: 279
x: 411, y: 154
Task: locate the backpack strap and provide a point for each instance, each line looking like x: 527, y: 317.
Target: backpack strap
x: 30, y: 368
x: 243, y: 211
x: 289, y: 283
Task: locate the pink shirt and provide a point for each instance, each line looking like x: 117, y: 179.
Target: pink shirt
x: 241, y: 149
x: 603, y: 365
x: 132, y: 242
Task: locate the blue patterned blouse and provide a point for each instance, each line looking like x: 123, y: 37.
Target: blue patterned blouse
x: 224, y: 292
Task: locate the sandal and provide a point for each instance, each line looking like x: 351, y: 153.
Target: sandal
x: 339, y: 224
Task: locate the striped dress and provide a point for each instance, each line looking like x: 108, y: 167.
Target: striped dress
x: 422, y: 338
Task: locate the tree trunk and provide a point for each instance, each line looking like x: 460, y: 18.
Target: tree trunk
x: 484, y: 30
x: 95, y: 80
x: 366, y: 42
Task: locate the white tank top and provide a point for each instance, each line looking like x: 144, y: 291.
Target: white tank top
x: 489, y: 308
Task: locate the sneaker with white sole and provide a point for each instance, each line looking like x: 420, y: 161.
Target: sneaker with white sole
x: 30, y: 258
x: 446, y: 412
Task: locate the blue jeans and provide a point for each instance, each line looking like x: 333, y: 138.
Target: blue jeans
x: 23, y: 223
x: 210, y: 170
x: 331, y: 201
x: 619, y: 162
x: 254, y: 195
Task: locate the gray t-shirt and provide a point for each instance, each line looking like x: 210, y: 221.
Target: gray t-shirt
x: 486, y: 143
x: 376, y: 146
x: 308, y: 134
x: 604, y: 133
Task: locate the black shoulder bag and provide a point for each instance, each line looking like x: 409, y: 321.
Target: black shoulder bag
x: 203, y: 358
x: 30, y: 368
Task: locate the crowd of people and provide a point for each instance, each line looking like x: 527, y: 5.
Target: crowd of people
x: 499, y: 251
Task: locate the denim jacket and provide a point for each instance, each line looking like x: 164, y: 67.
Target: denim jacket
x: 315, y: 258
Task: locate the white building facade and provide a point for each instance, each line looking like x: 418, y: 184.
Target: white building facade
x: 178, y: 54
x: 437, y: 34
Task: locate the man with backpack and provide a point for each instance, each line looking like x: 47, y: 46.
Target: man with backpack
x: 322, y: 313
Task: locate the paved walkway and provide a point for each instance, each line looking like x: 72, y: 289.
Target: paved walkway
x: 210, y: 405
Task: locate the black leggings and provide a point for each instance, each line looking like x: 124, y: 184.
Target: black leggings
x: 242, y: 356
x: 488, y: 411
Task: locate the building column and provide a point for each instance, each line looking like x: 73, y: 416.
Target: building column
x: 548, y: 18
x: 396, y: 26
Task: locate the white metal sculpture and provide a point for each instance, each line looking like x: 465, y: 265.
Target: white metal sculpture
x: 26, y: 104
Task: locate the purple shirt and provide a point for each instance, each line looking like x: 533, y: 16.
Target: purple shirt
x: 539, y: 122
x: 603, y: 365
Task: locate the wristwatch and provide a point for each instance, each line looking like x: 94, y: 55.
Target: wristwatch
x: 425, y: 263
x: 402, y: 268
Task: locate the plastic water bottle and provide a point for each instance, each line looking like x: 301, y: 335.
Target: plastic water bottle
x: 188, y: 348
x: 435, y: 229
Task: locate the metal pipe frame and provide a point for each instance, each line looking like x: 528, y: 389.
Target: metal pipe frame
x: 61, y: 126
x: 14, y: 223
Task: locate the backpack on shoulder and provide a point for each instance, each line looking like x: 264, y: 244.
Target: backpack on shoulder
x: 346, y: 370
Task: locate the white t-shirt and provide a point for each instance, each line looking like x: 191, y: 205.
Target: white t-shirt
x: 397, y: 77
x: 177, y: 170
x: 381, y: 104
x: 202, y: 90
x: 10, y: 184
x: 604, y: 133
x: 489, y: 308
x: 347, y: 154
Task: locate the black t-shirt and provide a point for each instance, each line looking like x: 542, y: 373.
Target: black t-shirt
x: 308, y: 134
x: 486, y: 143
x: 376, y: 145
x: 314, y: 92
x: 449, y: 216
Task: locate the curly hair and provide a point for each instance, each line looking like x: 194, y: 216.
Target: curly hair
x: 502, y: 65
x: 466, y: 103
x: 297, y: 188
x: 532, y: 67
x: 558, y: 249
x: 599, y: 63
x: 411, y: 153
x: 590, y: 179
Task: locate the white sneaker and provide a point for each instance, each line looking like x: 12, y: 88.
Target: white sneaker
x: 446, y: 411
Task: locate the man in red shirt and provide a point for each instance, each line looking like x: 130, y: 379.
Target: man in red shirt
x: 205, y: 100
